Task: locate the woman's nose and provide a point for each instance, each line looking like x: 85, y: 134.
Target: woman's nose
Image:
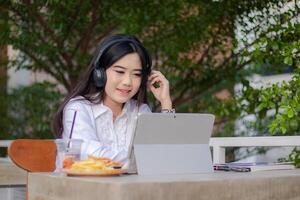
x: 127, y: 80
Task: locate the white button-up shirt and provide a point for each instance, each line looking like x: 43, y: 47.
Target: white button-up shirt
x: 94, y: 124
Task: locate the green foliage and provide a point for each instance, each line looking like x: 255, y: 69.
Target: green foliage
x: 295, y: 157
x: 282, y: 99
x: 275, y: 46
x: 28, y: 111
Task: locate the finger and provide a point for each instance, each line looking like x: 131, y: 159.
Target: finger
x: 154, y: 86
x: 151, y: 88
x: 156, y: 80
x: 154, y: 91
x: 152, y: 77
x: 155, y: 74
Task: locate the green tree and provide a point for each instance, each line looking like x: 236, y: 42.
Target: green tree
x: 193, y: 39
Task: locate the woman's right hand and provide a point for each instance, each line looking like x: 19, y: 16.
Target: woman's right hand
x: 162, y: 92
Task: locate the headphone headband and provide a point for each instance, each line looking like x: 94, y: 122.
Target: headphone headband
x: 111, y: 43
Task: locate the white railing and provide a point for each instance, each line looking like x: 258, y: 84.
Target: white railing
x: 219, y: 144
x: 5, y: 143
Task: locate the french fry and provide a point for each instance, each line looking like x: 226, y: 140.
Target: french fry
x: 94, y: 164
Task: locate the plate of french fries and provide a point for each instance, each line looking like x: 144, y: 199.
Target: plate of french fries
x: 94, y: 166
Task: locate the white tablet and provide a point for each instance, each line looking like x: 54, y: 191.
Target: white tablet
x: 172, y: 143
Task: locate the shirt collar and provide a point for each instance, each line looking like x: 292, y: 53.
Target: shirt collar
x: 99, y: 109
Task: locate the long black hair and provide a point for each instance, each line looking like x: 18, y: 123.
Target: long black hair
x: 86, y: 86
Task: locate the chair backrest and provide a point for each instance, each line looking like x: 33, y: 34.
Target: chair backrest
x: 33, y: 155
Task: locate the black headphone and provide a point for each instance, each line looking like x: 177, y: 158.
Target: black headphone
x: 99, y: 74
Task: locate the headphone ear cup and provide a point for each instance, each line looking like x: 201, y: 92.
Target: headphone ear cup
x: 99, y: 77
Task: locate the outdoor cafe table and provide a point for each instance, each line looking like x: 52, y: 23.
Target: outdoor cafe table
x: 271, y: 185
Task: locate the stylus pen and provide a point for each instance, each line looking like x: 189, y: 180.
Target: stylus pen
x: 240, y: 169
x: 221, y: 168
x: 234, y: 169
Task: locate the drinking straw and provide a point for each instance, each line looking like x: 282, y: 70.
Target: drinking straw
x: 73, y: 122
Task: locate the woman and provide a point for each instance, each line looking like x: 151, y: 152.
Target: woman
x: 102, y: 108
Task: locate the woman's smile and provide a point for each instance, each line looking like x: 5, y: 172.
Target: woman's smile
x: 124, y: 91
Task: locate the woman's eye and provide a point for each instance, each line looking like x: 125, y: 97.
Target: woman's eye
x: 120, y: 72
x: 139, y: 75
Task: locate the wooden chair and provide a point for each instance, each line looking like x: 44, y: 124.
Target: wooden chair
x: 33, y: 155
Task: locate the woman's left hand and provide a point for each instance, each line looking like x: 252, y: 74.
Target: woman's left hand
x: 162, y: 91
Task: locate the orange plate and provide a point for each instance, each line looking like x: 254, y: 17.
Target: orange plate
x: 112, y: 172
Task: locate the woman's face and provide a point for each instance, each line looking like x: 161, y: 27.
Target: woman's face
x: 123, y: 79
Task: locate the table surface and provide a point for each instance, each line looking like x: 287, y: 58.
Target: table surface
x: 11, y: 175
x: 277, y: 184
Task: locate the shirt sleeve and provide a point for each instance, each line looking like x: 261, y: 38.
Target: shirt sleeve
x: 84, y: 128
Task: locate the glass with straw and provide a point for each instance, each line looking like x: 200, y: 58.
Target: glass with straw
x: 68, y: 149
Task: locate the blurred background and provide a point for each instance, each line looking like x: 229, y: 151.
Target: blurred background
x: 237, y: 59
